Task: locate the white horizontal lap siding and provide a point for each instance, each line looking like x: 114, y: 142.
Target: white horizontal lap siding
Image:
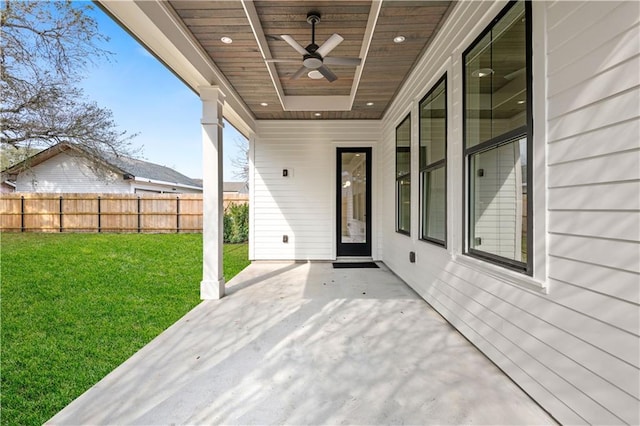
x: 302, y: 205
x: 65, y: 173
x: 593, y: 147
x: 575, y: 350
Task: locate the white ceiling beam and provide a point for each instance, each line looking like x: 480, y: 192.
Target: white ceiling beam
x: 374, y: 12
x: 258, y: 33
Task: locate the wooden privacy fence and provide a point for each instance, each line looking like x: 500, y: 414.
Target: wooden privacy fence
x: 230, y: 198
x: 101, y: 213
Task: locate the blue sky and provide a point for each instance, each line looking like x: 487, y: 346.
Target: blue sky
x: 146, y: 98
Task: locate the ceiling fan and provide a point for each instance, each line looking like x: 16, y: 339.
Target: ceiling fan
x: 314, y: 57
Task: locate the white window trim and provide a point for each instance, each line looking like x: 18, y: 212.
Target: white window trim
x: 456, y: 244
x: 502, y: 274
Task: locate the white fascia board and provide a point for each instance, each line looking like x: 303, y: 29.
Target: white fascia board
x: 165, y: 183
x: 155, y: 24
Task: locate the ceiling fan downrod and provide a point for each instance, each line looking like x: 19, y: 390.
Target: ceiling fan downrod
x: 312, y: 60
x: 313, y: 18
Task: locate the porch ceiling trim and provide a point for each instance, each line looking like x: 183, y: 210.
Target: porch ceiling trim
x: 311, y: 103
x: 258, y: 33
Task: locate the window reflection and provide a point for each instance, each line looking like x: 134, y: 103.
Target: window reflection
x: 496, y: 81
x: 433, y: 153
x: 354, y: 193
x: 497, y: 140
x: 403, y: 176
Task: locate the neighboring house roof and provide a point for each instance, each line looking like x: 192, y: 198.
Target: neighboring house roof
x: 145, y: 169
x: 130, y: 168
x: 239, y: 187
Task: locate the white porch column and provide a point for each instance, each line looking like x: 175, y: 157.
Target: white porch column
x: 212, y: 285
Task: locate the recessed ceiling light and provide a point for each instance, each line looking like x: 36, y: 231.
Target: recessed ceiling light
x: 369, y: 104
x: 226, y: 40
x: 315, y: 74
x: 482, y: 72
x: 318, y: 114
x: 520, y: 102
x: 264, y: 104
x: 399, y: 39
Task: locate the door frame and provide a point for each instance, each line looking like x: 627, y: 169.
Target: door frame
x: 355, y: 249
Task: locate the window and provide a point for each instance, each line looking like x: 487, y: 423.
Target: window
x: 497, y: 140
x: 433, y: 160
x: 403, y: 176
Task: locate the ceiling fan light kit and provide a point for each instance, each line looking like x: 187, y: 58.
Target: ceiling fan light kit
x: 314, y: 57
x: 315, y: 75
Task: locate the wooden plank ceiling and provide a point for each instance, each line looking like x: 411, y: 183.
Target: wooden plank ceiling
x: 385, y: 66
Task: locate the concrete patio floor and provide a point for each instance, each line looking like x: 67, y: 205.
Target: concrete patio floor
x: 303, y: 343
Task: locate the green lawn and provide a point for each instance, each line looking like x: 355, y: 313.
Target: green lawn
x: 75, y: 306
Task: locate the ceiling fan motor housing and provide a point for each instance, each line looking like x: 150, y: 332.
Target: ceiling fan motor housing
x: 312, y: 61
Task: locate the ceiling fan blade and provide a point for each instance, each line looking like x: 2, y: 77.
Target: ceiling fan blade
x: 329, y: 45
x: 328, y: 74
x: 299, y: 73
x: 291, y: 42
x: 288, y: 61
x: 342, y: 61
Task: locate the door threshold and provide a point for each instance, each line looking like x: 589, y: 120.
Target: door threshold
x: 354, y: 259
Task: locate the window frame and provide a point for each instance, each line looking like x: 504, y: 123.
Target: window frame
x: 398, y: 178
x: 442, y: 163
x: 494, y: 142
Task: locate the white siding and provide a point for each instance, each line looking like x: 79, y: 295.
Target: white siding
x: 65, y: 173
x: 302, y: 205
x: 573, y: 347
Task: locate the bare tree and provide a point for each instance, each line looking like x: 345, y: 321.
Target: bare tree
x: 45, y: 48
x: 241, y: 161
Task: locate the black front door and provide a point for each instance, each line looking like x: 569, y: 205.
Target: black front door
x: 353, y: 202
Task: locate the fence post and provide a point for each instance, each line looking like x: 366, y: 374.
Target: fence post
x: 177, y: 214
x: 22, y: 213
x: 139, y: 217
x: 61, y: 225
x: 99, y: 218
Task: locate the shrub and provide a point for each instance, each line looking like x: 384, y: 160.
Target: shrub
x: 236, y: 223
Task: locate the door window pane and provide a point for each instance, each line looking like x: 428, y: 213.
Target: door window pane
x: 353, y: 200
